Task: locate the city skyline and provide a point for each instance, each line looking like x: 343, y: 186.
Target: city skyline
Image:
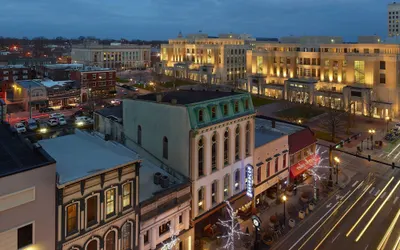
x: 162, y: 20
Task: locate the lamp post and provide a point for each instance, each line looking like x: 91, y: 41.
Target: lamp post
x: 337, y: 160
x: 284, y: 199
x: 387, y: 118
x: 299, y: 121
x: 372, y: 132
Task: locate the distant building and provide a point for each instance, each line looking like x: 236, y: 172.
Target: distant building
x: 109, y: 122
x: 155, y: 56
x: 62, y: 93
x: 116, y: 56
x: 27, y: 194
x: 97, y: 193
x: 31, y: 62
x: 59, y: 72
x: 393, y: 19
x: 19, y: 94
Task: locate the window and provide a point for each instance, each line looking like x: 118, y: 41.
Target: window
x: 92, y: 245
x: 226, y: 186
x: 127, y: 236
x: 284, y: 161
x: 5, y: 78
x: 200, y: 195
x: 25, y: 236
x: 200, y: 159
x: 214, y: 188
x: 213, y: 112
x: 248, y: 139
x: 163, y: 228
x: 146, y: 237
x: 139, y: 135
x: 246, y: 104
x: 382, y: 78
x: 214, y: 155
x: 376, y: 51
x: 366, y: 51
x: 93, y: 76
x: 226, y: 147
x: 359, y: 71
x: 225, y: 109
x: 268, y: 169
x: 180, y: 219
x: 110, y: 202
x: 382, y: 65
x: 326, y: 63
x: 110, y: 241
x: 91, y: 211
x: 237, y: 143
x: 236, y: 106
x: 201, y: 117
x: 165, y: 148
x: 72, y: 219
x: 237, y: 180
x: 126, y: 195
x: 259, y: 174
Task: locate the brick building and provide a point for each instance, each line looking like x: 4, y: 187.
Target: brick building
x: 59, y: 72
x: 11, y: 73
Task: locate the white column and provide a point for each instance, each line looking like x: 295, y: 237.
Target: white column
x: 141, y: 242
x: 186, y: 219
x: 220, y: 190
x: 173, y: 223
x: 207, y: 197
x: 153, y: 238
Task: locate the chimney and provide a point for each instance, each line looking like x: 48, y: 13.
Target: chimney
x: 174, y: 101
x: 273, y: 123
x: 158, y: 97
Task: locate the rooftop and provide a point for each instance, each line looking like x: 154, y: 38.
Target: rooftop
x: 83, y: 154
x: 280, y: 126
x: 17, y: 66
x: 29, y: 83
x: 184, y: 97
x: 64, y: 66
x: 93, y: 68
x: 115, y: 111
x: 50, y: 83
x: 17, y: 155
x: 265, y: 133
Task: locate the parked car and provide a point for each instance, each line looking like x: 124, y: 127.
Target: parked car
x: 32, y: 124
x: 78, y: 113
x: 56, y: 115
x: 83, y: 120
x: 45, y: 110
x: 52, y: 122
x: 43, y: 128
x: 62, y: 121
x: 20, y: 127
x: 66, y: 107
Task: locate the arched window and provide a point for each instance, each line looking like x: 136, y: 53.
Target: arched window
x: 201, y: 158
x: 139, y: 135
x: 214, y: 192
x: 237, y: 180
x: 200, y: 197
x: 110, y: 241
x: 248, y: 139
x: 226, y: 186
x: 92, y: 245
x: 237, y: 143
x: 226, y: 147
x: 214, y: 152
x: 127, y: 236
x: 165, y: 148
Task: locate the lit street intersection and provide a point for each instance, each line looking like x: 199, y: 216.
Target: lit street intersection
x: 364, y: 214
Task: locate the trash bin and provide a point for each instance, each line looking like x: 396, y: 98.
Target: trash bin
x: 292, y: 223
x: 302, y: 214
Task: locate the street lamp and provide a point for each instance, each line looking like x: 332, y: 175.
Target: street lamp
x: 337, y: 160
x: 284, y: 199
x: 372, y: 132
x: 387, y: 118
x: 299, y: 121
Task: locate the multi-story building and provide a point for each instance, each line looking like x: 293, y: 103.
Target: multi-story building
x: 361, y: 78
x: 59, y: 72
x: 116, y: 55
x: 393, y: 19
x: 11, y: 73
x: 212, y: 144
x: 96, y: 83
x: 205, y: 59
x: 62, y: 93
x: 28, y: 93
x: 27, y: 194
x: 97, y: 193
x: 31, y: 62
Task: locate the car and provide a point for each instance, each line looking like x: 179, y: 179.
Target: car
x: 52, y: 122
x: 45, y: 110
x: 78, y: 113
x: 83, y: 120
x: 32, y: 124
x: 66, y: 107
x: 43, y: 128
x: 62, y: 121
x: 56, y: 115
x: 20, y: 127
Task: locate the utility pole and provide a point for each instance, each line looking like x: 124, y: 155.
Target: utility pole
x: 30, y: 104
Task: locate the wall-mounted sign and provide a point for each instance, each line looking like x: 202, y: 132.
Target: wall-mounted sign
x: 249, y: 175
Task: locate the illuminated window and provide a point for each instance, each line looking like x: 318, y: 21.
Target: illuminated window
x: 201, y: 158
x: 237, y: 180
x: 126, y: 195
x: 110, y: 202
x: 200, y: 195
x: 214, y: 156
x: 259, y: 64
x: 72, y: 219
x: 359, y: 71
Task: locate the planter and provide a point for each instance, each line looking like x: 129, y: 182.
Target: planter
x: 302, y: 214
x: 292, y: 223
x: 311, y: 206
x: 304, y: 197
x: 267, y: 240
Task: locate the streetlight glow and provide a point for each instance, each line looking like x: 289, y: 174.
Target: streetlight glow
x: 336, y: 159
x: 284, y: 198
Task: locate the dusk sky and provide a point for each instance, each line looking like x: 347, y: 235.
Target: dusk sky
x: 163, y: 19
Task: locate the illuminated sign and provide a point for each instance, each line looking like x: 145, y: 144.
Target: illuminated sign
x: 249, y: 175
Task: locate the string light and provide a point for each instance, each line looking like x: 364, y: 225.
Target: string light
x: 173, y: 240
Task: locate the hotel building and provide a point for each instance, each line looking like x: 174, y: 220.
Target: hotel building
x: 205, y: 59
x: 358, y: 77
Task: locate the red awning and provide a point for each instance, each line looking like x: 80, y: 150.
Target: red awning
x: 302, y: 166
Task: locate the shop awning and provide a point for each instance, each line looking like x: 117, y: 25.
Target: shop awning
x: 303, y: 165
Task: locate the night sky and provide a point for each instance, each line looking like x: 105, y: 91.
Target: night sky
x: 163, y: 19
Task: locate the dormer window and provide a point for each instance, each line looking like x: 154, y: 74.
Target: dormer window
x: 201, y: 115
x: 246, y: 104
x: 225, y: 109
x: 213, y: 112
x: 236, y: 106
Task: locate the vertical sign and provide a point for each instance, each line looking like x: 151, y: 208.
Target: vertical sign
x: 249, y: 175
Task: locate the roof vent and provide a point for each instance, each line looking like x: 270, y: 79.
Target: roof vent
x: 164, y: 181
x: 158, y: 97
x: 157, y: 178
x: 174, y: 101
x: 273, y: 123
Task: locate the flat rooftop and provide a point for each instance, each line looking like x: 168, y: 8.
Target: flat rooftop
x: 93, y: 68
x: 184, y: 97
x: 115, y: 111
x: 83, y: 154
x: 280, y: 127
x: 17, y: 155
x: 264, y: 135
x: 16, y: 66
x: 29, y: 83
x: 50, y: 83
x: 64, y: 66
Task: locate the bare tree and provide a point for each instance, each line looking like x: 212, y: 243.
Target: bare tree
x: 334, y: 122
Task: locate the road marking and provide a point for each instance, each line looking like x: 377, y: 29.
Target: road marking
x: 395, y: 200
x: 366, y: 247
x: 377, y: 192
x: 329, y: 205
x: 354, y: 184
x: 335, y: 237
x: 372, y: 190
x: 365, y: 202
x: 383, y: 195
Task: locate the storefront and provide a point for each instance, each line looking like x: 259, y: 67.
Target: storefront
x: 298, y: 172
